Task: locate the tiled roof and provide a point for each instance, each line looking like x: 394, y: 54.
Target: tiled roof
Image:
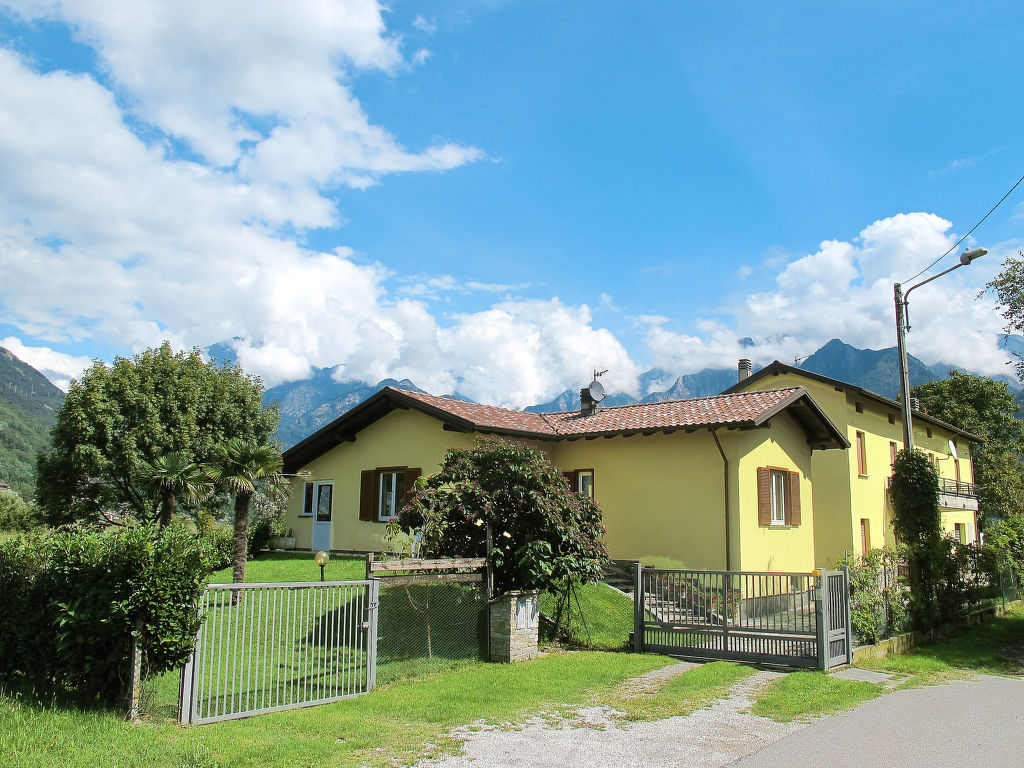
x: 736, y: 409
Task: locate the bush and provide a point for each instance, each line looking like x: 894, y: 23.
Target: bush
x: 877, y: 605
x: 16, y: 514
x: 70, y: 603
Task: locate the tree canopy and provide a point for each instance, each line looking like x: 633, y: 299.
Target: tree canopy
x: 985, y: 407
x: 1008, y: 287
x: 545, y: 535
x: 138, y: 409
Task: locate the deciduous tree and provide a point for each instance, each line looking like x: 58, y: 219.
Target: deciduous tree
x: 117, y: 416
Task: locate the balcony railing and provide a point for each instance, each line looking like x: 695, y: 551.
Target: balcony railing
x: 950, y: 488
x: 957, y: 488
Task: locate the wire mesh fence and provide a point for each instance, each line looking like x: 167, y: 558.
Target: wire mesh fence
x: 425, y: 628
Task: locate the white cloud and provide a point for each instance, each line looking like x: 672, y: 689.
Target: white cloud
x: 257, y: 85
x: 425, y: 25
x: 845, y: 290
x: 421, y: 56
x: 58, y: 367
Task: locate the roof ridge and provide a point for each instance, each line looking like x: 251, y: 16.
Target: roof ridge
x: 678, y: 400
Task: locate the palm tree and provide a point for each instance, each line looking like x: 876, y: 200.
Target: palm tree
x: 171, y: 477
x: 240, y: 466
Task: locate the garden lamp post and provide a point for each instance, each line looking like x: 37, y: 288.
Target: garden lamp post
x: 902, y: 326
x: 321, y: 558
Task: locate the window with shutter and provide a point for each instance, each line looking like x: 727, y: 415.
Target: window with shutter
x: 778, y: 496
x: 383, y: 491
x: 764, y: 496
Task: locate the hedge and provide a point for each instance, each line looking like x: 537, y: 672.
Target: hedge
x: 69, y: 603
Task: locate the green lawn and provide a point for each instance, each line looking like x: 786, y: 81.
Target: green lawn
x: 800, y: 695
x: 696, y: 689
x: 993, y: 648
x: 295, y: 566
x: 606, y: 621
x: 392, y: 725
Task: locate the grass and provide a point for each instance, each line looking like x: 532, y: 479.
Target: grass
x: 993, y: 648
x: 695, y: 689
x: 608, y: 614
x: 801, y: 695
x: 295, y: 566
x: 395, y: 724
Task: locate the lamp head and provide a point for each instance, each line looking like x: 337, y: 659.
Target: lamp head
x: 321, y: 558
x: 974, y: 253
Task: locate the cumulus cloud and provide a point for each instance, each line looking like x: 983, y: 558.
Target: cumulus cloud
x: 845, y: 290
x: 58, y: 367
x: 425, y: 25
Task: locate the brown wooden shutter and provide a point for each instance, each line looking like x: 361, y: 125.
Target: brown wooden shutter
x: 368, y: 495
x: 411, y: 473
x: 764, y: 496
x: 794, y: 498
x: 570, y: 478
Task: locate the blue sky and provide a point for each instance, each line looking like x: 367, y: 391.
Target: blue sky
x: 495, y: 197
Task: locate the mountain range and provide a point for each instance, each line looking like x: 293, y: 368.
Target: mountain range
x: 28, y: 408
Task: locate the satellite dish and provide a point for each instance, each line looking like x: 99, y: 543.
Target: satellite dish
x: 952, y: 450
x: 596, y: 390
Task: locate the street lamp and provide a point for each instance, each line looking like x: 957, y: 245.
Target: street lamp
x: 321, y: 558
x: 902, y: 326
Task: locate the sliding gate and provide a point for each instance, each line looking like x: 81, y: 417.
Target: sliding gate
x: 790, y: 619
x: 267, y: 647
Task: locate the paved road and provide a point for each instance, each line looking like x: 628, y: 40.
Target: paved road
x: 976, y: 722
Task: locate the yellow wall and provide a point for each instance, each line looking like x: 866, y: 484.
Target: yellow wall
x: 841, y: 496
x: 773, y: 548
x: 661, y: 495
x: 401, y: 438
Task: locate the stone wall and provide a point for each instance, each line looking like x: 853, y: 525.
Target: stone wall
x: 515, y: 618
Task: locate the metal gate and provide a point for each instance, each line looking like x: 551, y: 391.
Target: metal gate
x: 791, y: 619
x: 268, y: 647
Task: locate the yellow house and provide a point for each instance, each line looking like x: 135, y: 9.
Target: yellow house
x: 720, y: 482
x: 852, y: 511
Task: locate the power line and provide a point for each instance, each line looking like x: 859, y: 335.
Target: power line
x: 969, y: 233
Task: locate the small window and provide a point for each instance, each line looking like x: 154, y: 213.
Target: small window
x: 892, y: 454
x: 780, y: 505
x: 585, y: 482
x: 862, y: 459
x: 892, y: 418
x: 307, y: 500
x: 960, y: 533
x: 928, y: 431
x: 859, y: 407
x: 392, y: 488
x: 865, y: 536
x: 324, y: 498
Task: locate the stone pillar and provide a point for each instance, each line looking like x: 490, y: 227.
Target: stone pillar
x: 514, y: 621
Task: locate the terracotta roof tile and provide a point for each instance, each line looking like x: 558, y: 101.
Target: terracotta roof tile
x: 733, y: 409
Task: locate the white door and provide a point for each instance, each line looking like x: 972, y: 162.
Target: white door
x: 323, y: 494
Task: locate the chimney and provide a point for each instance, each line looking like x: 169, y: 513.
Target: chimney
x: 915, y: 404
x: 745, y: 369
x: 588, y: 405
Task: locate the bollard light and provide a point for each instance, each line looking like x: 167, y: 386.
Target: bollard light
x: 321, y: 558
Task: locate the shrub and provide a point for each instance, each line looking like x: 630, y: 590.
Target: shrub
x: 70, y: 603
x: 877, y: 605
x: 16, y: 514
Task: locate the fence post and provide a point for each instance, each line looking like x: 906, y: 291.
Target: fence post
x: 821, y: 616
x: 723, y: 610
x: 371, y: 636
x: 186, y: 690
x: 136, y: 672
x: 846, y: 611
x: 638, y: 608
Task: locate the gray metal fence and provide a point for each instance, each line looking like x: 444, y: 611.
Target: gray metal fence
x: 268, y: 647
x: 766, y: 617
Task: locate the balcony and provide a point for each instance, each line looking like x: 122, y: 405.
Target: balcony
x: 953, y: 494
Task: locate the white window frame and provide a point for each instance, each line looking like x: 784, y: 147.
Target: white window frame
x: 398, y: 488
x: 778, y: 482
x: 580, y: 474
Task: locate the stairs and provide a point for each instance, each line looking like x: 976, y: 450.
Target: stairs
x: 619, y: 574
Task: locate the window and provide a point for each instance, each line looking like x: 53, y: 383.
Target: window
x: 307, y: 500
x: 865, y: 536
x: 324, y: 499
x: 928, y: 431
x: 858, y: 407
x: 862, y: 459
x: 779, y: 482
x: 892, y: 418
x: 960, y: 532
x: 778, y: 496
x: 892, y: 453
x: 581, y: 481
x: 383, y: 491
